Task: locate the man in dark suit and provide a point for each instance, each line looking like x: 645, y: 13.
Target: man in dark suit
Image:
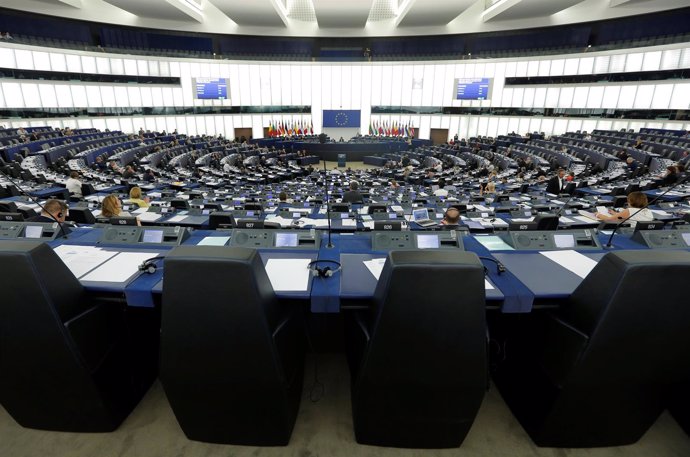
x: 556, y: 184
x: 353, y: 195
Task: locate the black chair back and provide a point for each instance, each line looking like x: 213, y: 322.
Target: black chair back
x: 68, y: 363
x: 418, y: 360
x: 232, y: 363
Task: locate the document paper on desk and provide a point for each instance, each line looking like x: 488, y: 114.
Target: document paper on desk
x: 577, y: 263
x: 82, y: 259
x: 120, y: 268
x: 375, y: 267
x: 288, y: 275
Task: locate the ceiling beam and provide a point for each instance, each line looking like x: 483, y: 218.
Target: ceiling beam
x: 73, y: 3
x: 281, y: 11
x: 498, y: 8
x: 403, y: 9
x: 188, y: 7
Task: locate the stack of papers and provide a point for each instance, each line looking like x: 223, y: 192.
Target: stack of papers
x: 82, y: 259
x: 288, y: 275
x: 573, y: 261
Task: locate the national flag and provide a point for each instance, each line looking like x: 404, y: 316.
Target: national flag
x: 411, y: 131
x: 381, y: 128
x: 371, y: 129
x: 311, y: 128
x: 299, y: 127
x: 407, y: 129
x: 395, y: 128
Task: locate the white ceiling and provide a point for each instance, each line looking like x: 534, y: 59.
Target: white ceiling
x: 342, y: 18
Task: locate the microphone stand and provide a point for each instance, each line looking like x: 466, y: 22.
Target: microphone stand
x: 328, y: 204
x: 15, y: 184
x: 680, y: 181
x: 560, y: 210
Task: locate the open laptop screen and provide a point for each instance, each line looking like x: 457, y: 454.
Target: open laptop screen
x: 420, y: 214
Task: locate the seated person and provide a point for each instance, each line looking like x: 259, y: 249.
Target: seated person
x: 149, y: 176
x: 136, y: 197
x: 111, y: 207
x: 73, y: 185
x: 452, y: 217
x: 283, y: 199
x: 129, y: 172
x: 441, y: 192
x: 114, y: 167
x: 99, y: 164
x: 353, y: 195
x: 54, y: 211
x: 636, y: 210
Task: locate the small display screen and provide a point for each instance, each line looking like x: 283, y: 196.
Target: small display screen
x: 427, y: 241
x: 250, y: 213
x: 564, y: 241
x: 472, y: 88
x: 33, y: 231
x: 686, y: 238
x: 211, y: 88
x: 284, y: 240
x: 152, y: 236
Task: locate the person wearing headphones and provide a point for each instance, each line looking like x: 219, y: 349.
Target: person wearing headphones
x: 53, y: 211
x: 451, y: 218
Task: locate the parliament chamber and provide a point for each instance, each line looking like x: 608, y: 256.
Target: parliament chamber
x: 472, y: 242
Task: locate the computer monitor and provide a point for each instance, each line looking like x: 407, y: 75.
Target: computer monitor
x: 564, y: 241
x: 427, y: 241
x: 283, y: 240
x: 152, y: 236
x: 33, y: 231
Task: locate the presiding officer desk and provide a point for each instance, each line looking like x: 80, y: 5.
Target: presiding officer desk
x: 532, y: 276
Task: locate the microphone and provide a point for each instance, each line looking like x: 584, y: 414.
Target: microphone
x: 15, y: 184
x: 678, y: 183
x: 560, y: 210
x: 328, y: 204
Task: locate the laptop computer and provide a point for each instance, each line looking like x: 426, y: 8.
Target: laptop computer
x: 421, y: 217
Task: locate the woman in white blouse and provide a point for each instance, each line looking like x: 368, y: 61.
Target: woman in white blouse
x: 636, y: 210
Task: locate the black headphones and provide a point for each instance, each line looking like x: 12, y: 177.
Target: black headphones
x: 325, y: 272
x: 500, y: 268
x: 149, y: 265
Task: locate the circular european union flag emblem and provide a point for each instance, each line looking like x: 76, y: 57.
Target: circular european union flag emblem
x: 341, y: 119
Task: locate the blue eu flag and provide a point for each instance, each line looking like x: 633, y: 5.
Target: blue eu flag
x: 341, y: 118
